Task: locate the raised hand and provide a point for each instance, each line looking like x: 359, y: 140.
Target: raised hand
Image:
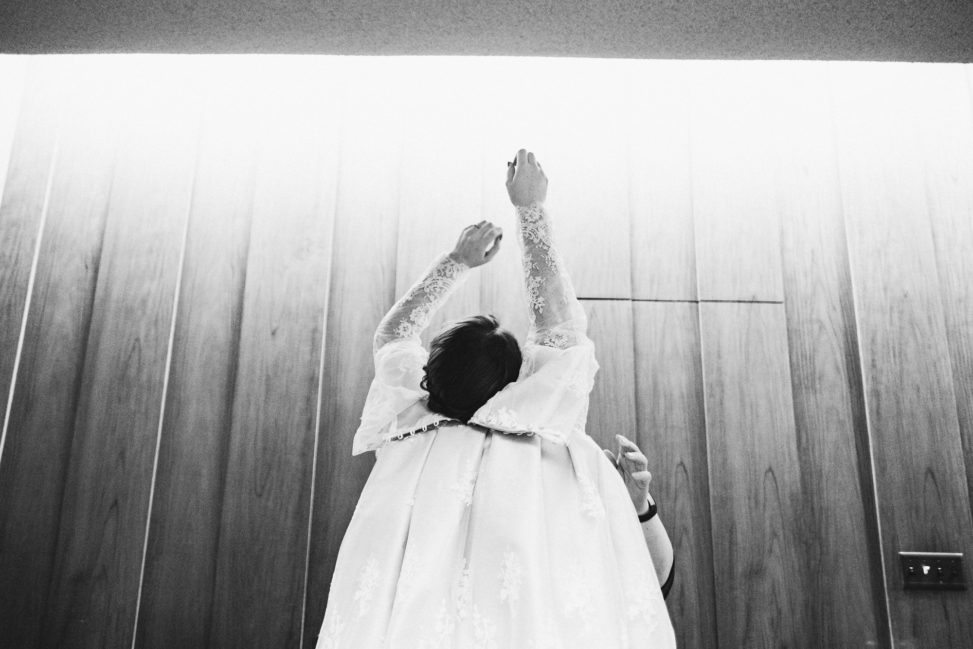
x: 526, y: 181
x: 633, y: 467
x: 474, y: 245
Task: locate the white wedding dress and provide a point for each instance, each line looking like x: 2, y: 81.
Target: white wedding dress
x: 515, y: 532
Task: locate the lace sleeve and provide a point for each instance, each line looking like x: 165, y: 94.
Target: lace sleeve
x: 411, y: 314
x: 556, y: 317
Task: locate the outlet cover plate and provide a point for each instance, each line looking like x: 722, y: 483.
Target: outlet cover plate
x: 933, y: 570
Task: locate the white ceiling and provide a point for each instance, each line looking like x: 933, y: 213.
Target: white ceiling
x: 904, y: 30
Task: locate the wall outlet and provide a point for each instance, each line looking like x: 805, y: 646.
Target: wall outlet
x: 933, y: 570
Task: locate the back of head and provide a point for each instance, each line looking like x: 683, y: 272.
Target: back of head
x: 468, y: 363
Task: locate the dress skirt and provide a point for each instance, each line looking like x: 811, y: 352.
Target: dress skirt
x: 469, y: 538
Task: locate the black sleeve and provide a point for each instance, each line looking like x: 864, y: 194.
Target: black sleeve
x: 666, y: 587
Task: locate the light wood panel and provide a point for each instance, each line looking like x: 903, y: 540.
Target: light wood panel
x: 180, y: 564
x: 38, y: 444
x: 262, y: 550
x: 840, y: 529
x: 95, y: 581
x: 943, y: 112
x: 440, y: 184
x: 13, y: 78
x: 918, y: 456
x: 21, y: 213
x: 660, y: 182
x: 612, y: 407
x: 577, y: 131
x: 737, y: 243
x: 755, y: 478
x: 361, y: 291
x: 672, y: 434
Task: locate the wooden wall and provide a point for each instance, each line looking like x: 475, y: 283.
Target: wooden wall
x: 775, y: 259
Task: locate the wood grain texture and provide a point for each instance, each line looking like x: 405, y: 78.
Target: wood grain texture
x: 262, y: 550
x: 612, y: 407
x: 38, y: 444
x: 672, y: 434
x: 754, y: 477
x: 918, y: 455
x: 13, y: 79
x: 361, y: 291
x: 737, y: 243
x: 660, y: 182
x: 177, y: 591
x: 840, y: 527
x: 95, y: 581
x: 944, y: 115
x: 21, y: 211
x: 577, y: 132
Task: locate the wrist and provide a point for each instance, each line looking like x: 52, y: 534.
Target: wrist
x: 648, y: 510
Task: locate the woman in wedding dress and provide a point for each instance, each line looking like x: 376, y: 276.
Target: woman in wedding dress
x: 490, y: 518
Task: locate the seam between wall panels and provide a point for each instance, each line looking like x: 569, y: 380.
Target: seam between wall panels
x: 30, y: 285
x: 166, y: 372
x: 861, y: 361
x: 320, y: 385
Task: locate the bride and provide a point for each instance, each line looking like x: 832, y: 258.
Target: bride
x: 490, y: 518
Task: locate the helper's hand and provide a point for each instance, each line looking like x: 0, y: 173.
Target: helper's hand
x: 526, y: 181
x: 474, y: 245
x: 633, y: 467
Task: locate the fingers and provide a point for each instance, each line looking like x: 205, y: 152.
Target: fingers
x: 626, y: 443
x: 611, y: 457
x: 531, y: 159
x: 492, y: 252
x: 510, y: 172
x: 521, y: 159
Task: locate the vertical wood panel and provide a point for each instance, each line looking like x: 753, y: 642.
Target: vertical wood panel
x: 38, y: 444
x: 737, y: 242
x: 672, y: 434
x: 177, y: 592
x: 95, y: 582
x: 440, y: 183
x: 261, y: 555
x: 361, y: 291
x: 919, y: 470
x: 661, y: 186
x: 754, y: 476
x: 577, y: 130
x: 13, y: 77
x: 944, y: 114
x: 838, y: 516
x: 612, y: 408
x: 21, y: 212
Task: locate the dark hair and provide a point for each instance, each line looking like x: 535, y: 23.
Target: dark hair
x: 468, y: 363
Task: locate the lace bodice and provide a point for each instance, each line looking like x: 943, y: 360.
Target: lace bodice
x: 556, y: 317
x: 550, y: 396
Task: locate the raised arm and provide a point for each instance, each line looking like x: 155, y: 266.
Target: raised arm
x: 411, y: 314
x: 556, y: 316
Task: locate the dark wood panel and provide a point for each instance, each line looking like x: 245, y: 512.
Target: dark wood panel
x: 262, y: 550
x: 38, y: 442
x: 919, y: 470
x: 361, y: 291
x: 21, y: 211
x: 612, y: 407
x: 672, y: 434
x: 99, y: 551
x: 737, y: 242
x: 754, y: 477
x: 839, y: 517
x: 180, y: 564
x: 944, y: 115
x: 661, y: 187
